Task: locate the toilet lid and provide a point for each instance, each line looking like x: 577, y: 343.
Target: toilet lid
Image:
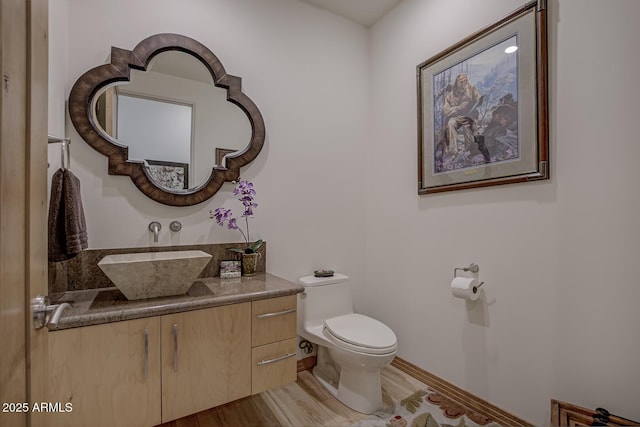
x: 361, y: 331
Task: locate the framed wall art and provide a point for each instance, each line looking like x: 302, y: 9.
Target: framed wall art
x: 482, y: 107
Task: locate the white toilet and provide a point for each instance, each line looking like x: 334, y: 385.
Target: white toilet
x: 352, y: 348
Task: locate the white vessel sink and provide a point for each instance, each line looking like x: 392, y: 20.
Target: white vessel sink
x: 154, y: 274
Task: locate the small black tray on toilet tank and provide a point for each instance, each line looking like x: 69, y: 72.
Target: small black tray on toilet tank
x: 323, y: 273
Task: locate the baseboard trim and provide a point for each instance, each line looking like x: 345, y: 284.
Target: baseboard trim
x: 461, y: 396
x: 306, y: 363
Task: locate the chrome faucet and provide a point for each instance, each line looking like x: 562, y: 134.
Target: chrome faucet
x: 155, y: 227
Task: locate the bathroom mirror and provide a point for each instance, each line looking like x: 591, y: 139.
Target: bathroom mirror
x: 162, y: 113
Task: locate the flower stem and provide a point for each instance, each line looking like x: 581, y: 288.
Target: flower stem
x: 246, y: 238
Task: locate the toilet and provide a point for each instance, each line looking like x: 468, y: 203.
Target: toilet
x: 352, y: 348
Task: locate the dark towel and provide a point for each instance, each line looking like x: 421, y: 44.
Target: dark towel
x: 67, y: 228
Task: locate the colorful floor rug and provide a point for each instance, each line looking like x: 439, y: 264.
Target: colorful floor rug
x: 426, y: 409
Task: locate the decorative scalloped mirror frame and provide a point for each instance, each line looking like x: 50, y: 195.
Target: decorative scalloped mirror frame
x: 81, y: 101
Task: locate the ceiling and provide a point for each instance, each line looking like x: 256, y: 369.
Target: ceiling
x: 365, y: 12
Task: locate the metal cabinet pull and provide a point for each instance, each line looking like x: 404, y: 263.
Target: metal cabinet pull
x: 277, y: 313
x: 175, y: 347
x: 277, y: 359
x: 146, y: 354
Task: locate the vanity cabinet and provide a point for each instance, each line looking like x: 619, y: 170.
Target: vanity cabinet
x: 273, y: 342
x: 205, y: 359
x: 148, y: 371
x: 131, y: 372
x: 108, y: 374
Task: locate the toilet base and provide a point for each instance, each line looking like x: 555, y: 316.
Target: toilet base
x: 352, y: 382
x: 326, y: 371
x: 361, y: 390
x: 331, y: 388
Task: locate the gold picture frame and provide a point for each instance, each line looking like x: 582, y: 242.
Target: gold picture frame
x: 482, y: 107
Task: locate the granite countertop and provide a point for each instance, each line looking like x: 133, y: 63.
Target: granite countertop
x: 104, y: 305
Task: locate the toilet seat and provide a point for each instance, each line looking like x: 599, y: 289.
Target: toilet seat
x: 360, y: 333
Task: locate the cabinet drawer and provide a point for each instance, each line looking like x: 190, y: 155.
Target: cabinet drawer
x: 273, y: 365
x: 273, y: 320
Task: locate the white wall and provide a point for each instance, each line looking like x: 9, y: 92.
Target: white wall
x: 559, y: 316
x: 58, y: 39
x: 305, y: 69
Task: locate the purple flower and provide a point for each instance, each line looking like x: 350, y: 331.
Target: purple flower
x: 245, y: 194
x: 222, y: 215
x: 245, y: 188
x: 233, y: 224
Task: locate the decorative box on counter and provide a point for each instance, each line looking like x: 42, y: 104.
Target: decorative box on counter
x: 229, y: 269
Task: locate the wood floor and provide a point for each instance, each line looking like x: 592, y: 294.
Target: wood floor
x: 303, y: 403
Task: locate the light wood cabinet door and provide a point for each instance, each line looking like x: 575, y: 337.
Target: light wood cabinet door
x: 109, y: 374
x: 206, y: 359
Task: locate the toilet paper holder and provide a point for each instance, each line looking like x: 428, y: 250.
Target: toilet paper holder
x: 474, y: 268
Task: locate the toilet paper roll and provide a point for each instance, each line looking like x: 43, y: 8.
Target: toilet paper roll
x: 463, y: 287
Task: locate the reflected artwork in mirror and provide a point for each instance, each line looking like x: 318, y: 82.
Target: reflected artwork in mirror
x: 162, y: 112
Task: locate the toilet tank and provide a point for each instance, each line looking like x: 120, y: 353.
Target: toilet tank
x: 323, y: 298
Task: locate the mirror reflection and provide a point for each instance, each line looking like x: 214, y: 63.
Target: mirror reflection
x: 174, y: 119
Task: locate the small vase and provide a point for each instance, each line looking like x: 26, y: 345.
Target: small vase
x: 249, y: 263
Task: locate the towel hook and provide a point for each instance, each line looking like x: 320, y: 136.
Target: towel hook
x: 66, y: 154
